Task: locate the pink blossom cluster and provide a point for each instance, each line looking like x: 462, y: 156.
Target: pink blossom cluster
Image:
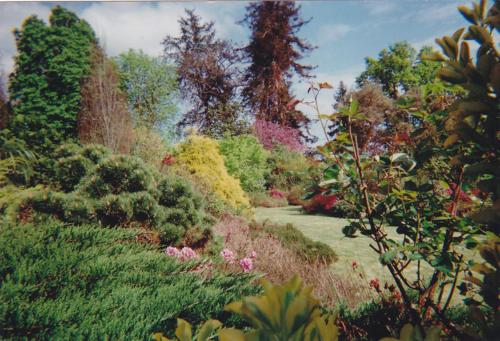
x: 245, y: 263
x: 271, y: 134
x: 274, y: 193
x: 186, y: 253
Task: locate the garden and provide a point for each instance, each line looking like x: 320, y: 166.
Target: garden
x: 190, y: 197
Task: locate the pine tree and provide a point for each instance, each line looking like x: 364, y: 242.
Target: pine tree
x: 45, y: 86
x: 208, y: 76
x: 274, y: 51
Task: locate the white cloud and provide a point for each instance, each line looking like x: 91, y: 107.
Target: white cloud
x: 380, y: 7
x: 12, y: 15
x: 330, y: 33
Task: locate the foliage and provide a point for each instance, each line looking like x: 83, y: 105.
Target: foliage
x: 85, y: 282
x: 201, y: 157
x: 263, y: 199
x: 271, y: 135
x: 245, y: 159
x: 422, y: 200
x: 399, y: 68
x: 274, y: 52
x: 45, y: 86
x: 151, y: 87
x: 16, y: 160
x: 474, y: 118
x: 283, y: 312
x: 149, y: 146
x: 289, y: 169
x: 295, y: 240
x: 414, y: 333
x: 88, y: 184
x: 5, y: 107
x: 208, y: 76
x: 103, y: 117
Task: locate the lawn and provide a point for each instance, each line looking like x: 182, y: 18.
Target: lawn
x: 329, y: 230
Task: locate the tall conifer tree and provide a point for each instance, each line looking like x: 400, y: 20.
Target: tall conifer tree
x: 274, y: 51
x: 45, y: 86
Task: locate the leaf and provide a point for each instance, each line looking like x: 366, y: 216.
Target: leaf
x: 434, y: 56
x: 468, y: 14
x: 183, y: 331
x: 231, y: 334
x: 451, y: 76
x: 464, y: 53
x: 208, y: 329
x: 451, y: 140
x: 458, y: 34
x: 325, y: 85
x: 388, y: 256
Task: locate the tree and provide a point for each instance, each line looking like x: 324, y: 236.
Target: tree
x: 151, y: 87
x: 274, y: 51
x: 399, y: 68
x: 5, y: 109
x: 208, y: 76
x: 103, y: 117
x: 45, y: 86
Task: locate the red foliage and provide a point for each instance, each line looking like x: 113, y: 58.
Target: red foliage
x: 168, y: 160
x: 274, y: 193
x: 272, y: 134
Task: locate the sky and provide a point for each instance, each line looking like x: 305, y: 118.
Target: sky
x: 345, y: 32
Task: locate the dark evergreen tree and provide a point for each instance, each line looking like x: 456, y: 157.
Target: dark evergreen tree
x: 45, y: 86
x: 208, y: 76
x: 273, y: 52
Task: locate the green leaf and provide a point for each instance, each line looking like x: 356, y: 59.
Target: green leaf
x: 388, y: 257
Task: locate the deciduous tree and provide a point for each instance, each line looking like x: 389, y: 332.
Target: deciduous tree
x: 103, y: 117
x: 150, y: 84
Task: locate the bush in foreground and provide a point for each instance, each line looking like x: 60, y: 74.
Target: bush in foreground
x: 85, y: 282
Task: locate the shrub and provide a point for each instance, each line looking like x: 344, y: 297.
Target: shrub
x: 70, y: 170
x: 149, y: 146
x: 295, y: 240
x: 288, y: 169
x: 201, y: 157
x: 272, y: 135
x: 259, y: 199
x: 246, y: 159
x: 64, y: 282
x: 118, y: 190
x: 118, y: 174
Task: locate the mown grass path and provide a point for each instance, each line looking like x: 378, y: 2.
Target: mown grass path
x: 329, y: 231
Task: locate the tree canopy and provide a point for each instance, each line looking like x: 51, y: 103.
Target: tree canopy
x: 45, y: 86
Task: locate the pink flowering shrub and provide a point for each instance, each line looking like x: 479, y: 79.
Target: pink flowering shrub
x: 274, y: 193
x: 228, y: 255
x: 184, y: 255
x: 246, y: 264
x: 272, y: 134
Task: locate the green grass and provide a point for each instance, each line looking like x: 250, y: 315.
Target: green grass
x: 329, y: 231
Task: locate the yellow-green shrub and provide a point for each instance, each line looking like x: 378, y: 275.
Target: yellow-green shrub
x: 149, y: 146
x: 202, y: 158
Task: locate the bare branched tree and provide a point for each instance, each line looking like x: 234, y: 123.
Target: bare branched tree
x: 104, y: 117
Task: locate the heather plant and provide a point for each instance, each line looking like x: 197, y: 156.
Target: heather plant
x: 271, y: 135
x: 202, y: 158
x: 245, y: 159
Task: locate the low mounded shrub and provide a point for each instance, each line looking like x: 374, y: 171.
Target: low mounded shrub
x: 246, y: 159
x: 201, y: 157
x: 61, y: 282
x: 260, y: 199
x: 295, y: 240
x: 118, y: 190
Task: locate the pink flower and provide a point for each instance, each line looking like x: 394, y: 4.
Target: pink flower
x: 246, y: 264
x: 172, y: 251
x: 271, y: 134
x: 188, y: 253
x: 253, y: 255
x: 228, y: 255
